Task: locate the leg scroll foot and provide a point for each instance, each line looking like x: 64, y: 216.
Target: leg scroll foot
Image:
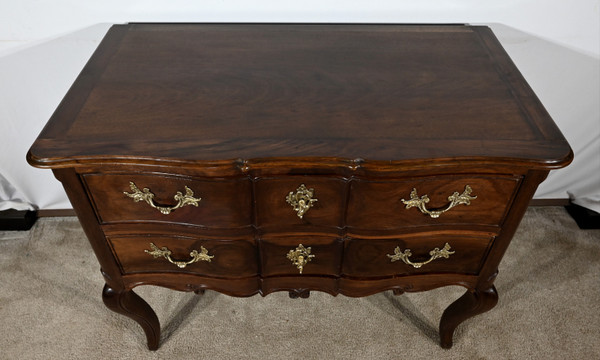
x: 128, y: 303
x: 472, y: 303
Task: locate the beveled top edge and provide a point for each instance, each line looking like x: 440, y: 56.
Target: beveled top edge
x: 44, y: 156
x: 49, y: 153
x: 343, y: 164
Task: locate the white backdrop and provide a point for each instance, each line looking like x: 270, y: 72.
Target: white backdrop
x: 44, y: 45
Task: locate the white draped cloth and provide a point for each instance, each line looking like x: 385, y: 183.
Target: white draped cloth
x: 11, y: 198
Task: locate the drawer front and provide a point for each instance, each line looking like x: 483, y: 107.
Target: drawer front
x: 325, y: 255
x: 371, y: 257
x: 379, y: 205
x: 222, y: 204
x: 325, y: 209
x: 228, y: 258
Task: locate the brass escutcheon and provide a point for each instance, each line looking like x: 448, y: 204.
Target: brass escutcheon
x: 302, y: 200
x: 300, y: 257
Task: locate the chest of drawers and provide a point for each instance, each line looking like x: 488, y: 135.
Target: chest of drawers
x: 253, y: 158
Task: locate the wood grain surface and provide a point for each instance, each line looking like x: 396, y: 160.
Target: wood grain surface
x: 243, y: 114
x: 380, y: 93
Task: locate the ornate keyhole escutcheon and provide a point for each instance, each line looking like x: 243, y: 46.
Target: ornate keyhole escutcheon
x: 300, y: 257
x: 301, y: 200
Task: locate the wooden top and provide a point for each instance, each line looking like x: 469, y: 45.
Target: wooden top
x: 195, y: 93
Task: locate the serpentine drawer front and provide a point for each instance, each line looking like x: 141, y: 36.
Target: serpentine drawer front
x: 430, y: 201
x: 168, y: 253
x: 324, y: 208
x: 322, y: 255
x: 212, y: 203
x: 253, y: 158
x: 415, y: 254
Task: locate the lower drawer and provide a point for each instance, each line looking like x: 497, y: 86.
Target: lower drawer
x: 169, y: 253
x: 415, y: 254
x: 323, y: 258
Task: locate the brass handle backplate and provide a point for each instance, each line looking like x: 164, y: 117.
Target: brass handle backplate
x: 455, y: 199
x: 301, y: 200
x: 166, y: 253
x: 147, y: 196
x: 435, y: 254
x: 300, y: 257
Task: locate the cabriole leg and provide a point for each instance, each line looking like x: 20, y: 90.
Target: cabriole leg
x: 128, y: 303
x: 472, y: 303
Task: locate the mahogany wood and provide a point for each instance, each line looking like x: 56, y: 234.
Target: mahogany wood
x: 228, y: 211
x: 473, y: 302
x: 327, y: 253
x: 327, y: 211
x: 232, y: 258
x: 369, y: 258
x: 243, y: 114
x: 128, y: 303
x: 71, y: 212
x: 379, y: 198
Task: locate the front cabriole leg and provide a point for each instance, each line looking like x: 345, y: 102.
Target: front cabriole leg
x: 128, y: 303
x: 472, y: 303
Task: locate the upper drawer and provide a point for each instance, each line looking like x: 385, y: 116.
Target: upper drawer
x: 317, y: 201
x: 430, y: 200
x: 222, y: 204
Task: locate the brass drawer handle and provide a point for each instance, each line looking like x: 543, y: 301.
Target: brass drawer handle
x: 300, y: 257
x: 147, y: 196
x: 166, y: 253
x: 301, y: 200
x: 435, y: 254
x: 455, y: 199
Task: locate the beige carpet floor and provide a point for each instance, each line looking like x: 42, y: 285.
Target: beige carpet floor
x: 549, y: 308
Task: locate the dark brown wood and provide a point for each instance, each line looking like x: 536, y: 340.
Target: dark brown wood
x: 231, y: 258
x: 128, y: 303
x: 359, y: 287
x: 299, y: 286
x: 183, y: 281
x: 368, y: 257
x: 376, y: 92
x: 300, y: 293
x: 519, y: 206
x: 472, y: 303
x: 243, y: 114
x: 56, y: 212
x: 227, y: 210
x: 327, y: 211
x: 85, y: 213
x: 327, y: 253
x: 71, y: 212
x: 380, y: 198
